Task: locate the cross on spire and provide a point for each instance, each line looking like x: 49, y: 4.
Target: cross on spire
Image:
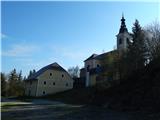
x: 123, y: 25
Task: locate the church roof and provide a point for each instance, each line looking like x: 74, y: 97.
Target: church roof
x: 101, y: 56
x: 91, y: 57
x: 123, y: 27
x: 53, y: 66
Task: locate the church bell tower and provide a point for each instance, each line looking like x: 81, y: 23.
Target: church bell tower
x: 123, y: 36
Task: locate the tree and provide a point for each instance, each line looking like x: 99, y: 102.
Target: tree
x: 15, y: 84
x: 3, y: 84
x: 20, y: 84
x: 137, y: 51
x: 74, y: 71
x: 109, y: 69
x: 31, y: 72
x: 12, y: 81
x: 153, y: 39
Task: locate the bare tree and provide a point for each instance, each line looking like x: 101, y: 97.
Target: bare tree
x: 152, y: 32
x: 74, y: 72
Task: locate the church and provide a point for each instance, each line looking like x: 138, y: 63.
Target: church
x: 96, y: 70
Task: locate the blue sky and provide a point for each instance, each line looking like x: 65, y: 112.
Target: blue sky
x: 35, y: 34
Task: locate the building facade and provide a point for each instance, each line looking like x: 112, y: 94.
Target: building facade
x: 97, y: 67
x: 48, y: 80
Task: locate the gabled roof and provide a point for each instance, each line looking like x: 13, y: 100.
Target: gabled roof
x: 91, y: 57
x: 101, y: 56
x: 53, y: 66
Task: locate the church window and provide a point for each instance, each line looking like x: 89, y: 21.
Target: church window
x: 54, y: 83
x: 44, y: 82
x: 50, y: 74
x: 43, y: 92
x: 62, y: 75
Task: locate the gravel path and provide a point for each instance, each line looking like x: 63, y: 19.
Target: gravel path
x: 39, y: 109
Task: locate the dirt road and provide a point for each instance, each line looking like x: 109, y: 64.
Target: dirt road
x: 39, y: 109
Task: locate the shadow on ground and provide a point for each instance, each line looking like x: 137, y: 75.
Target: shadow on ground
x: 39, y: 109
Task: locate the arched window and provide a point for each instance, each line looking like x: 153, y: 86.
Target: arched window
x: 50, y: 74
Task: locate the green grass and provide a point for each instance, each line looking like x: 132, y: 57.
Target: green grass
x: 6, y: 105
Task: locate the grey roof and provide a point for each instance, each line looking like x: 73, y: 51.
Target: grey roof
x: 91, y: 57
x: 53, y: 66
x: 101, y: 56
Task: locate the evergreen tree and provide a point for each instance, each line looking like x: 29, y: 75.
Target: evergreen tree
x: 31, y: 72
x: 20, y: 84
x: 15, y: 84
x: 137, y: 49
x: 34, y: 71
x: 24, y: 78
x: 3, y: 84
x: 12, y: 82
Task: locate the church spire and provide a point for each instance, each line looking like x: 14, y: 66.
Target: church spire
x: 123, y: 25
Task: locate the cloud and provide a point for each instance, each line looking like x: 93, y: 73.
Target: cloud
x: 19, y: 50
x: 3, y: 36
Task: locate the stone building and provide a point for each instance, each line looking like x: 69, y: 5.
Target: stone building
x: 48, y: 80
x: 94, y: 65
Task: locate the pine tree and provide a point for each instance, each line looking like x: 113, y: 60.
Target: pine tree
x: 31, y: 72
x: 20, y: 84
x: 3, y: 84
x: 12, y: 82
x: 34, y: 71
x: 15, y: 84
x: 137, y: 48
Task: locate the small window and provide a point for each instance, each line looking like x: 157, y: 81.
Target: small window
x: 44, y: 82
x: 54, y: 83
x: 66, y: 84
x: 44, y: 93
x: 50, y: 74
x: 30, y: 82
x: 120, y: 41
x: 62, y: 75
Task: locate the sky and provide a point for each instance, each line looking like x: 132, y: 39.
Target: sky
x: 35, y: 34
